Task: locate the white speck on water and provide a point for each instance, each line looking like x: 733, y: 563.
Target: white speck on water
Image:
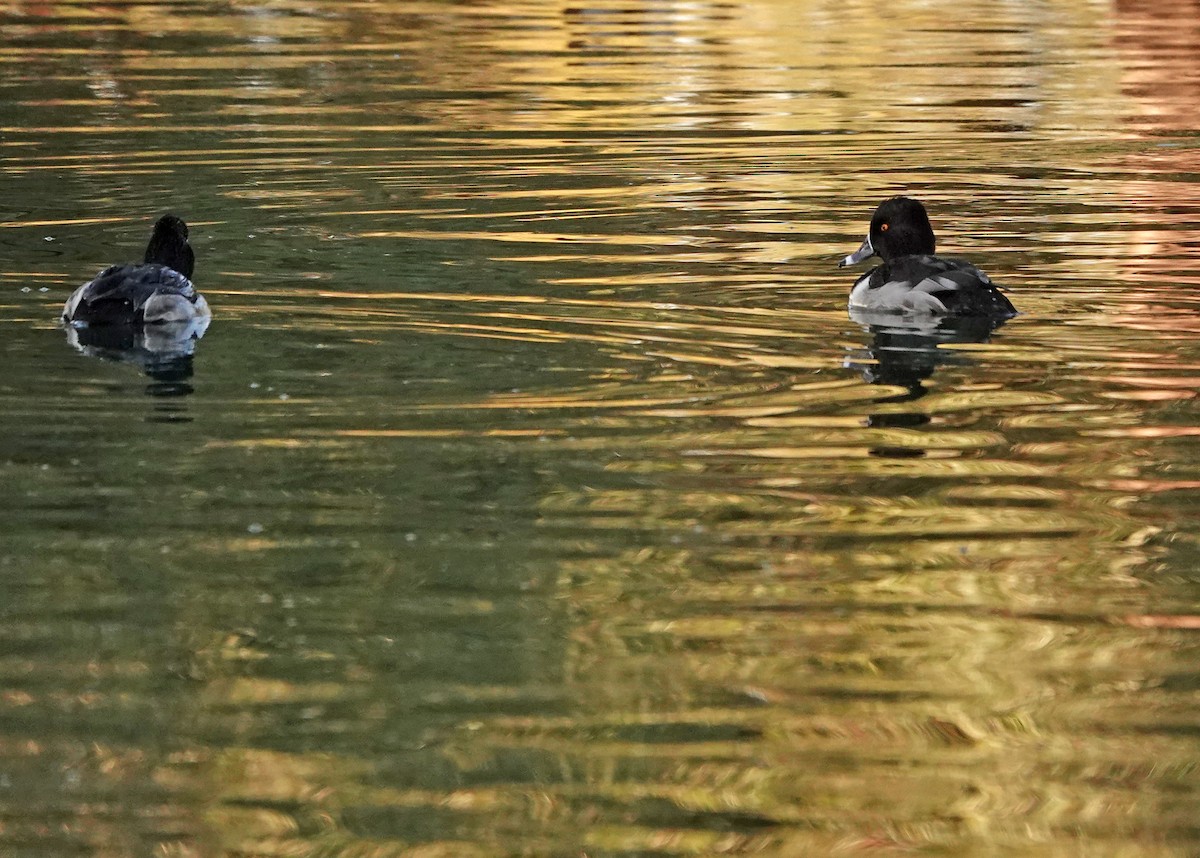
x: 255, y: 527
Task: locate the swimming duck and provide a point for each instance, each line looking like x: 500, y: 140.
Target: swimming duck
x: 155, y: 291
x: 913, y: 280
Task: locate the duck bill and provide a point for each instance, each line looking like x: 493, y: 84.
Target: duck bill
x: 859, y: 255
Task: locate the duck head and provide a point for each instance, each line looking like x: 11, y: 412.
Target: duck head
x: 169, y: 246
x: 899, y: 227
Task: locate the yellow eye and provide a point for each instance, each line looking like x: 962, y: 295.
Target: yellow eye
x: 883, y: 227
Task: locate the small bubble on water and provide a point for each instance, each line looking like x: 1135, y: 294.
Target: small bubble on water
x: 255, y: 527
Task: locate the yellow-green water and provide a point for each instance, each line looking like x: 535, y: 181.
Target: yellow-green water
x: 533, y: 494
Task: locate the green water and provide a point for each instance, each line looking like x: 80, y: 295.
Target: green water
x: 532, y: 492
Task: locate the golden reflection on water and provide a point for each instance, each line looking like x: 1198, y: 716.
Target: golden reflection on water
x: 743, y: 591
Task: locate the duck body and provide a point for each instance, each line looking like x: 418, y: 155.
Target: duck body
x: 930, y: 284
x: 156, y: 291
x: 135, y: 295
x: 912, y: 279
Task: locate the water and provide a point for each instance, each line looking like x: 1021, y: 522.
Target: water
x: 532, y: 492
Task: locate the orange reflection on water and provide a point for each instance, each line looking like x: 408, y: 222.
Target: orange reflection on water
x: 1159, y: 44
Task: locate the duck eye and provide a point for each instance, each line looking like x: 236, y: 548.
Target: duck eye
x: 883, y: 227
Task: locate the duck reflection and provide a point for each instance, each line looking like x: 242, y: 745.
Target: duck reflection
x: 164, y: 351
x: 904, y: 350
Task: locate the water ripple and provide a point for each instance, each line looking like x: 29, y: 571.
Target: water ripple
x: 533, y: 493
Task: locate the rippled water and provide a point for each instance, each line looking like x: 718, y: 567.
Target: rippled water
x: 532, y: 492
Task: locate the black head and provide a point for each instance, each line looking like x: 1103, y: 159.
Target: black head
x: 899, y: 227
x: 169, y: 246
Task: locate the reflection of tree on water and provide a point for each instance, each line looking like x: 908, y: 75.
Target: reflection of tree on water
x: 164, y: 352
x: 904, y: 350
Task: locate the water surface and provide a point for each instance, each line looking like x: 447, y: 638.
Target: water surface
x: 533, y: 493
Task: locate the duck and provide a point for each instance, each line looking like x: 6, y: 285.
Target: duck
x: 911, y: 279
x: 156, y: 291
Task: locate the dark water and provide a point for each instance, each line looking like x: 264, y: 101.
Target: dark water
x: 532, y: 493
